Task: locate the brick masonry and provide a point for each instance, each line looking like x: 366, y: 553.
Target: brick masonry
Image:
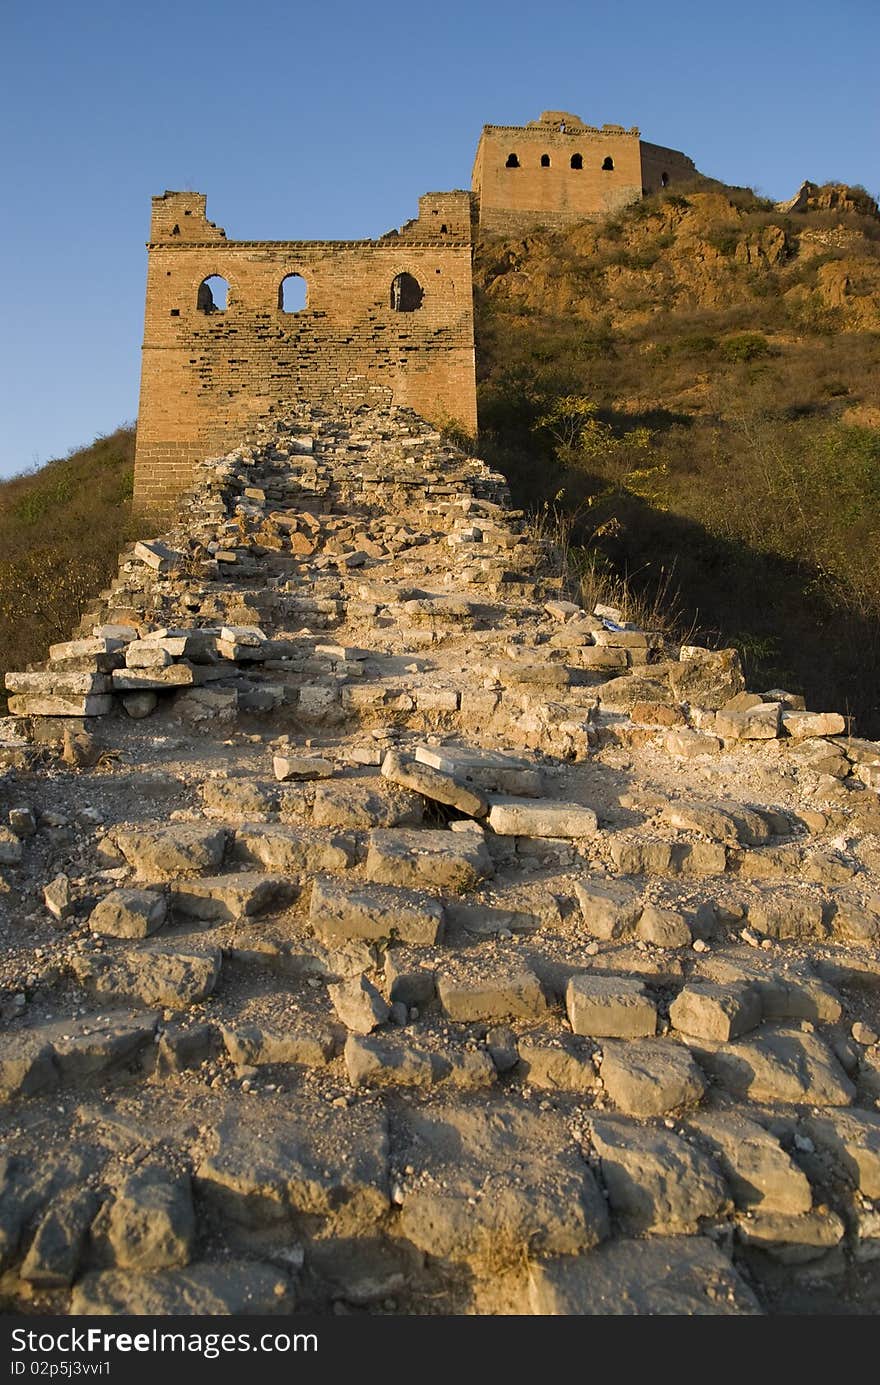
x: 613, y: 166
x: 209, y: 376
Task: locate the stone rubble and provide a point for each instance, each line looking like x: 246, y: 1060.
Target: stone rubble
x: 384, y: 932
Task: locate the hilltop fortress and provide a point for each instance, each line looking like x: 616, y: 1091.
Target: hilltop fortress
x: 234, y: 328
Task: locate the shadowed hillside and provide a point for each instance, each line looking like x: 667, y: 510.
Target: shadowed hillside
x: 61, y: 529
x: 693, y: 389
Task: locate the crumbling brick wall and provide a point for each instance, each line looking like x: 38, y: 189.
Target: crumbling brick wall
x: 558, y: 170
x: 209, y: 376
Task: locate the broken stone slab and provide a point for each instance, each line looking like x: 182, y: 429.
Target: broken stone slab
x: 666, y: 928
x: 486, y: 920
x: 358, y: 1004
x: 513, y: 673
x: 251, y: 1045
x: 182, y: 1046
x: 146, y: 654
x: 657, y: 1182
x: 27, y: 1064
x: 651, y: 1077
x: 669, y: 1276
x: 706, y: 678
x: 600, y: 659
x: 374, y: 912
x: 783, y: 914
x: 373, y: 1061
x: 57, y: 684
x: 432, y: 783
x: 157, y: 555
x: 657, y: 714
x: 152, y: 975
x: 647, y: 856
x: 719, y: 1013
x: 239, y: 800
x: 851, y: 1139
x: 293, y: 850
x: 164, y: 853
x: 103, y: 654
x: 488, y: 770
x: 219, y: 898
x: 23, y: 823
x: 729, y: 823
x: 365, y: 803
x: 623, y: 639
x: 149, y: 1224
x: 312, y: 1160
x: 243, y: 1288
x: 152, y: 679
x: 440, y: 859
x: 803, y: 725
x: 562, y: 610
x: 129, y: 913
x: 43, y: 705
x: 56, y: 1250
x: 555, y: 1065
x: 760, y: 723
x: 761, y: 1176
x: 248, y: 636
x: 469, y: 1070
x: 500, y: 993
x: 540, y: 817
x: 58, y: 899
x: 781, y: 1065
x: 491, y: 1180
x: 87, y: 1048
x: 608, y: 1006
x: 687, y: 745
x: 287, y: 767
x: 11, y: 849
x: 792, y: 1240
x: 623, y: 693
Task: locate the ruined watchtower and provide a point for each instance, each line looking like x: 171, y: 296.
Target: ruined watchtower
x: 557, y: 170
x: 234, y: 327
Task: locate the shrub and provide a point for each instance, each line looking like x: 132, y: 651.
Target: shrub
x: 748, y: 346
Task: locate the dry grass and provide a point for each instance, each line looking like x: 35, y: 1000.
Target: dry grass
x: 757, y: 500
x: 61, y: 529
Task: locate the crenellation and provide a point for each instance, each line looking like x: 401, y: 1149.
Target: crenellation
x: 210, y: 372
x: 222, y: 343
x: 557, y: 170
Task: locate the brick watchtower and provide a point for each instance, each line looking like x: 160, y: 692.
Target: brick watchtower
x: 557, y: 170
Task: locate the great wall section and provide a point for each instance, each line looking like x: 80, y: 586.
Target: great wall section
x: 382, y: 932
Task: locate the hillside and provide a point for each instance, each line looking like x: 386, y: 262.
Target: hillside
x: 691, y: 389
x: 61, y: 529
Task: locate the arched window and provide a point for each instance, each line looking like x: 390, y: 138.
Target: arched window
x: 512, y: 161
x: 577, y: 160
x: 292, y: 293
x: 406, y: 294
x: 213, y: 295
x: 664, y: 180
x: 608, y: 164
x: 545, y: 160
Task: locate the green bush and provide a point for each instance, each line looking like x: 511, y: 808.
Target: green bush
x: 748, y: 346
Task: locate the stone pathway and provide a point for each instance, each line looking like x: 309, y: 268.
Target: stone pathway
x: 381, y: 932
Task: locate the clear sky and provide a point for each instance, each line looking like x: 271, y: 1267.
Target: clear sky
x: 327, y: 119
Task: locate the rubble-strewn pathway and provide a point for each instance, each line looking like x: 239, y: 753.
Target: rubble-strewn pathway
x: 391, y: 935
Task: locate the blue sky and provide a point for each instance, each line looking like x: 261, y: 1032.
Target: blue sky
x: 328, y: 120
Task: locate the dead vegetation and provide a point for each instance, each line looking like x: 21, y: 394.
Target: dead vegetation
x: 693, y: 385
